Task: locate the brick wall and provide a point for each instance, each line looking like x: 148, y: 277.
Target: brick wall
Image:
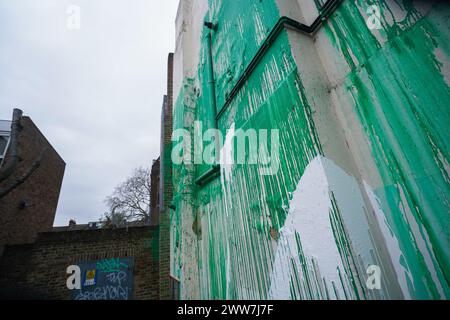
x: 166, y: 185
x: 38, y: 270
x: 30, y: 208
x: 155, y: 193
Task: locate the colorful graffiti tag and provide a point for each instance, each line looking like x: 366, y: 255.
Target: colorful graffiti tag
x: 110, y: 279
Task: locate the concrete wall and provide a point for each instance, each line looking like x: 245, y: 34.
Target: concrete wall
x: 38, y: 271
x: 362, y: 117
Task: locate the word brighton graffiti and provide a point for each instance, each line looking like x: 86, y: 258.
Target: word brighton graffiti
x: 238, y: 147
x: 110, y: 279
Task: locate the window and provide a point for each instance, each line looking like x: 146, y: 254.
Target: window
x: 4, y: 140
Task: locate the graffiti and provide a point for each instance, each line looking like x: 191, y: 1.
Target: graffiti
x: 111, y: 265
x: 117, y: 277
x: 110, y: 292
x: 110, y: 279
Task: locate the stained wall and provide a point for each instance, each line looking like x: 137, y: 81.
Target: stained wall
x: 362, y: 167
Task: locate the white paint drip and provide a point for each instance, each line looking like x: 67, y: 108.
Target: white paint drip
x: 226, y: 164
x: 309, y: 219
x: 422, y: 240
x: 391, y: 242
x: 444, y: 64
x: 259, y: 28
x: 226, y: 154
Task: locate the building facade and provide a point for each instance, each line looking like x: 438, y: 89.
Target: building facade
x: 168, y: 287
x: 341, y: 112
x: 31, y: 175
x: 155, y: 192
x: 116, y: 263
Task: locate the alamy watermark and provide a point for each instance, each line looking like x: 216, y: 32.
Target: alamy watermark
x: 374, y: 278
x: 238, y: 147
x: 74, y: 280
x: 73, y: 20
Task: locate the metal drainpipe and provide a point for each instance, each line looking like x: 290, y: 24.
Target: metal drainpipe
x: 212, y: 81
x: 214, y: 170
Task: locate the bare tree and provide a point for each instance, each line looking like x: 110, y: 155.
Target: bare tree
x: 130, y: 200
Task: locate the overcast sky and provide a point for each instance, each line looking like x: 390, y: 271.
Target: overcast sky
x: 96, y: 92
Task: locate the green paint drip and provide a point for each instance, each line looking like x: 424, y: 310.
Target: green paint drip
x: 398, y: 94
x: 402, y: 101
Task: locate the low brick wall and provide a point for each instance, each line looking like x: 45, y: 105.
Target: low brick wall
x: 38, y: 271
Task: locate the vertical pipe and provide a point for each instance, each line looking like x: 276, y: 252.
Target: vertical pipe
x: 212, y: 81
x: 212, y: 92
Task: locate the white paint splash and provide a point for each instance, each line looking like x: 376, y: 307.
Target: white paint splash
x: 227, y: 156
x: 391, y: 243
x: 226, y: 164
x: 444, y: 64
x: 226, y: 167
x: 309, y: 220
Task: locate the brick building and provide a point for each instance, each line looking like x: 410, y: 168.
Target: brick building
x: 31, y: 174
x: 168, y: 285
x: 114, y: 263
x: 155, y: 192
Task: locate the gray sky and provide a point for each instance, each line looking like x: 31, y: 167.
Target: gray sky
x: 96, y: 93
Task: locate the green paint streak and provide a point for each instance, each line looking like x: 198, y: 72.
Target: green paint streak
x: 402, y: 99
x: 238, y: 225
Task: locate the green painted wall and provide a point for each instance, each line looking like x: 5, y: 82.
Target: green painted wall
x: 245, y: 235
x: 397, y: 89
